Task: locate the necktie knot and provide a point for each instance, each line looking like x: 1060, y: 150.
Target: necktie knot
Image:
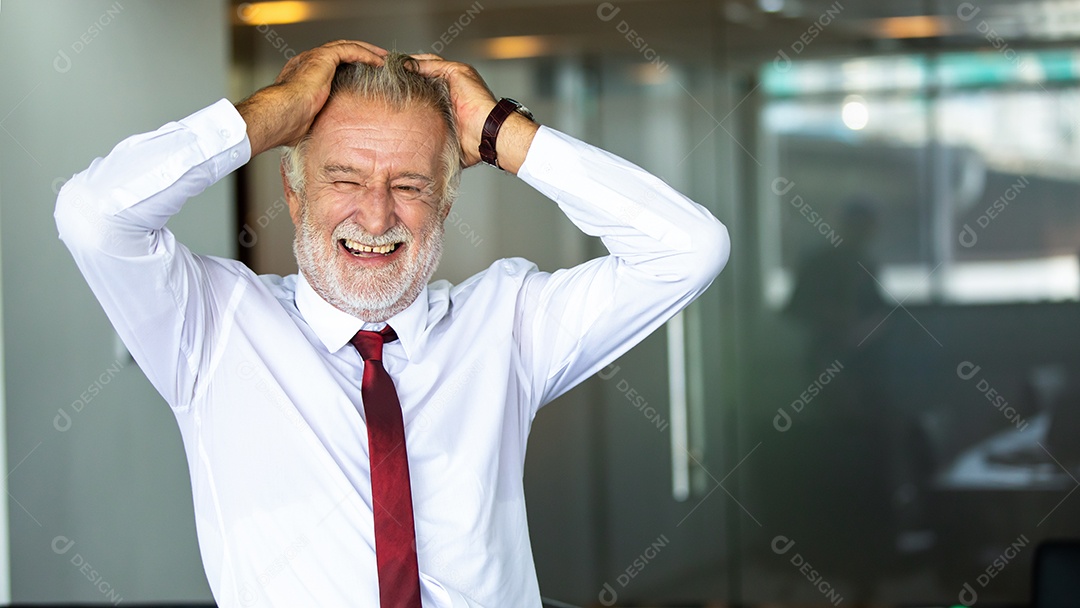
x: 370, y: 343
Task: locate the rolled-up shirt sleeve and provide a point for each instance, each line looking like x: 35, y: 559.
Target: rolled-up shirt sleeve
x: 112, y: 218
x: 664, y: 251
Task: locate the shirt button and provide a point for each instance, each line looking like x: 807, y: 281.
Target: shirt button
x: 224, y: 133
x: 235, y: 154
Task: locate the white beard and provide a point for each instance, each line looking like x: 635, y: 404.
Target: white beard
x: 370, y: 295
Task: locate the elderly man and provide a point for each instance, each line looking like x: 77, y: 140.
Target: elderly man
x: 356, y: 436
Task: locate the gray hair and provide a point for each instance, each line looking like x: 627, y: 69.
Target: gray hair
x: 399, y: 87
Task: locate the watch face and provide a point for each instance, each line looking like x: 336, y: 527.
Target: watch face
x: 521, y: 109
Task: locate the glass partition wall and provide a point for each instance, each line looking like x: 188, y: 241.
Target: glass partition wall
x: 914, y: 374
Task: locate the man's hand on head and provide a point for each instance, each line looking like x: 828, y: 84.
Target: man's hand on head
x: 282, y: 113
x: 473, y: 102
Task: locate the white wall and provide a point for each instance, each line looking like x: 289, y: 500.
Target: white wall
x: 5, y: 556
x: 78, y: 76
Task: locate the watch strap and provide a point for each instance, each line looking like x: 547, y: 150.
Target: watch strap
x: 492, y: 125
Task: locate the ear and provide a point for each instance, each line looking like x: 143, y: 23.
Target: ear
x: 291, y: 197
x: 445, y: 211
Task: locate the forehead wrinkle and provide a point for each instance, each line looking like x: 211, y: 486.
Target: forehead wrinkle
x: 395, y: 170
x: 384, y: 154
x: 369, y: 139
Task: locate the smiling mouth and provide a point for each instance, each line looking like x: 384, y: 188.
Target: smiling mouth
x: 358, y: 249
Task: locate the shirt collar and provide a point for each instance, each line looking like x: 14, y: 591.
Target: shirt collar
x: 336, y: 328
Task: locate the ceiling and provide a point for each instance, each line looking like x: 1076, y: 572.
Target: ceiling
x: 743, y: 30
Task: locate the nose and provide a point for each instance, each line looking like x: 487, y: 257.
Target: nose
x: 375, y: 211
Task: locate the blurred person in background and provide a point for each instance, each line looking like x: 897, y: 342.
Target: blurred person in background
x: 844, y: 426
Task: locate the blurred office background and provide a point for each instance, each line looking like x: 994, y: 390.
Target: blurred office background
x: 877, y: 402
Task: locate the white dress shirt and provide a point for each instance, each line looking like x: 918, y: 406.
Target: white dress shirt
x: 265, y: 385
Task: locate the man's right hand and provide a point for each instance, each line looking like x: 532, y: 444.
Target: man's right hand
x: 282, y: 113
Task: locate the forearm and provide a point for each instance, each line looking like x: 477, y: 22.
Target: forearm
x: 147, y: 178
x: 643, y: 222
x: 262, y: 116
x: 515, y: 138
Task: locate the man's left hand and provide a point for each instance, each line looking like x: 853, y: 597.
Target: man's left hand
x: 473, y: 101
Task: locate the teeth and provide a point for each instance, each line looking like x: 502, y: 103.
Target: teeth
x: 351, y: 244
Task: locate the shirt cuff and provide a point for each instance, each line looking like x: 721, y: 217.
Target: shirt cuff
x: 536, y: 167
x: 140, y: 167
x: 220, y: 128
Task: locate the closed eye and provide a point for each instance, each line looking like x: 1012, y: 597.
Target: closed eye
x: 411, y: 192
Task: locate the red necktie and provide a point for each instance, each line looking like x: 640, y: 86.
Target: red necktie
x: 391, y: 496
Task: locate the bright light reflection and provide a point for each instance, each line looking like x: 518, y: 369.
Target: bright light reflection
x: 855, y: 113
x: 274, y: 13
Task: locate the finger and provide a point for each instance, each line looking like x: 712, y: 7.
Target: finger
x: 348, y: 51
x: 378, y: 50
x: 427, y: 57
x: 434, y: 67
x: 337, y: 52
x: 357, y: 52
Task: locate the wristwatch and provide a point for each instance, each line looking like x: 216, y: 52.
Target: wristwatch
x: 494, y: 122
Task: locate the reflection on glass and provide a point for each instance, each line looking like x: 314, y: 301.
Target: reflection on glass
x: 913, y: 385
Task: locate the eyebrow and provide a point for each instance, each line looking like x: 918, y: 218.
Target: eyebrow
x: 418, y: 176
x: 339, y: 170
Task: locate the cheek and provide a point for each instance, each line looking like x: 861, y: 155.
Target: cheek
x: 419, y: 218
x: 324, y: 214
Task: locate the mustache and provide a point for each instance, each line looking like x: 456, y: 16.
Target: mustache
x: 349, y: 229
